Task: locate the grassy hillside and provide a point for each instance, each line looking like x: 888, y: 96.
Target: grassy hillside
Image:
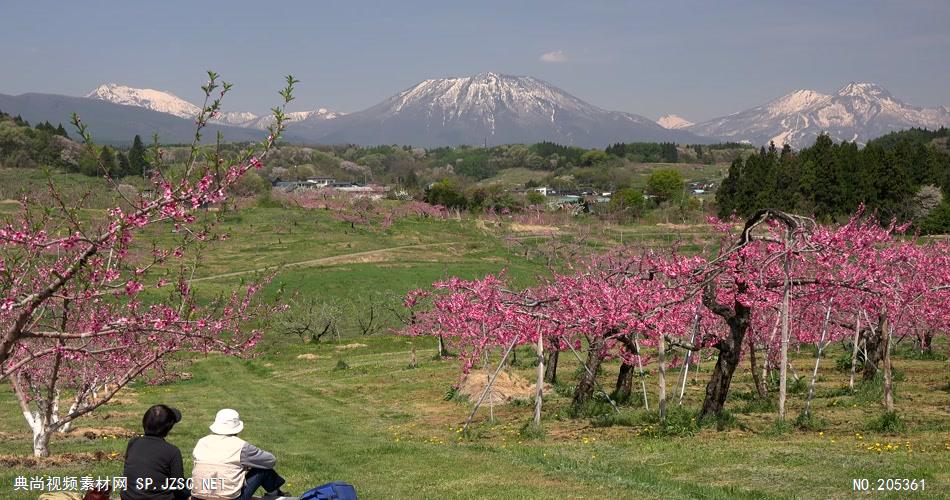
x: 354, y: 409
x: 386, y: 427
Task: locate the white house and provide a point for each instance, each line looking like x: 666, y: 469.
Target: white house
x: 545, y: 191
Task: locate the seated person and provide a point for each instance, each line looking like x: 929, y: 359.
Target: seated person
x: 227, y: 467
x: 153, y: 467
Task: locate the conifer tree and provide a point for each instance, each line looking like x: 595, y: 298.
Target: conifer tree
x: 107, y: 160
x: 138, y: 165
x: 124, y: 168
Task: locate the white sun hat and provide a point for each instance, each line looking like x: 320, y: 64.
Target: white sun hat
x: 227, y: 422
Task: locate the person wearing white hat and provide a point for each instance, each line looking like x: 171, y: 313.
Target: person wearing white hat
x: 226, y: 467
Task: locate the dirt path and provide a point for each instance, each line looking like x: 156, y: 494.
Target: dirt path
x: 335, y: 259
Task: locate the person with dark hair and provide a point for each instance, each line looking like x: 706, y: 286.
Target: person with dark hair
x: 153, y: 467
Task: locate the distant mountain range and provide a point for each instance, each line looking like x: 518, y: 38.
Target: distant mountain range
x: 491, y: 108
x: 113, y: 123
x: 166, y: 102
x: 857, y: 112
x: 488, y: 108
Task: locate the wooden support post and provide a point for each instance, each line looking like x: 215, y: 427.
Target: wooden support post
x: 814, y: 373
x: 643, y: 384
x: 538, y: 395
x: 783, y: 371
x: 491, y: 381
x: 689, y: 358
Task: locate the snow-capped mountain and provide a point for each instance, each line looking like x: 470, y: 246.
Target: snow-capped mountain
x: 317, y: 115
x: 488, y: 107
x: 237, y: 118
x: 856, y: 112
x: 156, y: 100
x: 114, y: 123
x: 673, y: 122
x: 165, y: 102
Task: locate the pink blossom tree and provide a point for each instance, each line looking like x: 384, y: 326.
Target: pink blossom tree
x: 783, y: 280
x: 92, y: 303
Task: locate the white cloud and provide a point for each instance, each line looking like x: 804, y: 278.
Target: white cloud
x: 555, y: 56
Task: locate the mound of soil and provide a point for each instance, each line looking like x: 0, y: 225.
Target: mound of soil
x: 310, y: 357
x: 356, y: 345
x: 533, y: 228
x: 101, y: 432
x: 507, y: 387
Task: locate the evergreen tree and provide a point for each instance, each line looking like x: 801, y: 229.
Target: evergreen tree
x: 123, y: 167
x: 138, y: 165
x: 107, y: 162
x: 830, y: 181
x: 726, y: 195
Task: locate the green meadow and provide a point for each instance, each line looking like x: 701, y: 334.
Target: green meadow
x: 355, y: 408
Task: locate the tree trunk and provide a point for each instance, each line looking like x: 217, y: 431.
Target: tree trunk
x: 738, y: 318
x: 854, y: 350
x: 585, y: 387
x: 550, y: 372
x: 624, y: 388
x: 717, y: 390
x: 874, y: 345
x: 888, y: 380
x: 756, y: 379
x: 926, y: 342
x: 41, y: 443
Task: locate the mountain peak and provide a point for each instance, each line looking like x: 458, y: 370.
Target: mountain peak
x: 673, y: 122
x: 864, y: 89
x: 490, y: 107
x: 858, y: 112
x: 795, y: 101
x: 165, y: 102
x: 483, y: 93
x: 155, y: 100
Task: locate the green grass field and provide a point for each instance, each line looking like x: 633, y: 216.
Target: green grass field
x: 389, y: 429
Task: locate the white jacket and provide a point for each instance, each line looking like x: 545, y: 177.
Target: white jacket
x: 221, y: 462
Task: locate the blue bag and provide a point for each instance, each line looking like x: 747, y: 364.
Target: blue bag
x: 337, y: 490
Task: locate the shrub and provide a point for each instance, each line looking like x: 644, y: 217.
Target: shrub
x: 807, y: 421
x: 530, y: 430
x: 779, y: 427
x: 888, y: 422
x: 843, y: 361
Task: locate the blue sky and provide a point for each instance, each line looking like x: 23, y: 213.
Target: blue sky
x: 698, y: 59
